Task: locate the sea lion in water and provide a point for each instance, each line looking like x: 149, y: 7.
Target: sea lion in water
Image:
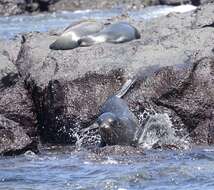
x: 70, y: 36
x: 117, y: 124
x: 114, y: 33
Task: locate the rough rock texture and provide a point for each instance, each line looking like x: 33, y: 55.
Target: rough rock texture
x: 16, y: 108
x: 13, y: 139
x: 62, y: 91
x: 14, y: 7
x: 185, y: 94
x: 11, y: 7
x: 117, y: 150
x: 68, y: 87
x: 96, y: 4
x: 174, y: 2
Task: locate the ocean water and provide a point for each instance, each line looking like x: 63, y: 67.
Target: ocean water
x: 63, y: 168
x: 154, y: 170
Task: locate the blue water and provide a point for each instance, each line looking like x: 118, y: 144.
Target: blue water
x: 66, y: 168
x: 155, y: 170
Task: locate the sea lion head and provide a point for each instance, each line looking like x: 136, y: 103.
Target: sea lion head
x: 113, y: 131
x: 64, y: 43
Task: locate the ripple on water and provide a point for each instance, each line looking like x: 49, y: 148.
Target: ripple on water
x: 69, y: 170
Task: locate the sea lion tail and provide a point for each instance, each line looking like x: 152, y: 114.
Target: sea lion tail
x: 126, y: 87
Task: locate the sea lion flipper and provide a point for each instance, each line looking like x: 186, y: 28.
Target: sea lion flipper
x: 76, y: 23
x: 126, y: 87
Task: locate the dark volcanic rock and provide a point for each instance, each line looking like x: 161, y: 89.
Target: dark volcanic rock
x: 118, y: 150
x: 13, y: 139
x: 8, y: 54
x: 201, y: 2
x: 11, y: 7
x: 14, y: 7
x: 96, y: 4
x: 68, y: 87
x: 16, y: 106
x: 174, y: 2
x: 186, y: 93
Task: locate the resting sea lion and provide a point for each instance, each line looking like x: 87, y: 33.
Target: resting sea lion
x: 114, y: 33
x: 117, y: 124
x: 69, y: 38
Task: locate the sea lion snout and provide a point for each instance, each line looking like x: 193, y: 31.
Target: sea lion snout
x: 105, y: 128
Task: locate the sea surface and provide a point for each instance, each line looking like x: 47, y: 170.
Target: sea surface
x: 69, y: 168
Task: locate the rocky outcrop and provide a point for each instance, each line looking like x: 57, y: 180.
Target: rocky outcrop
x: 15, y: 7
x: 68, y: 87
x: 13, y: 139
x: 18, y: 124
x: 85, y: 4
x: 61, y: 91
x: 11, y: 7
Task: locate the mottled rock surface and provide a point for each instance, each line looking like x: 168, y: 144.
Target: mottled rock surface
x: 175, y: 54
x: 13, y: 139
x: 16, y: 107
x: 61, y: 91
x: 96, y: 4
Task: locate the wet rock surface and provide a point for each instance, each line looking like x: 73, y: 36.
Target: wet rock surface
x: 62, y: 91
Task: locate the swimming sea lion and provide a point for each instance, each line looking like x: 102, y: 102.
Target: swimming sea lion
x: 114, y: 33
x: 69, y: 38
x: 117, y: 124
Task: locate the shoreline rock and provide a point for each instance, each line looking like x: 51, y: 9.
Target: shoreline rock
x: 18, y: 122
x: 61, y: 91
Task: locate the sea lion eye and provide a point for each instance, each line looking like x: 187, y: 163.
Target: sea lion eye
x: 110, y: 120
x: 99, y: 121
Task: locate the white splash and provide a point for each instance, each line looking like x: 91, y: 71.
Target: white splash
x: 158, y: 130
x: 110, y: 161
x: 87, y: 136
